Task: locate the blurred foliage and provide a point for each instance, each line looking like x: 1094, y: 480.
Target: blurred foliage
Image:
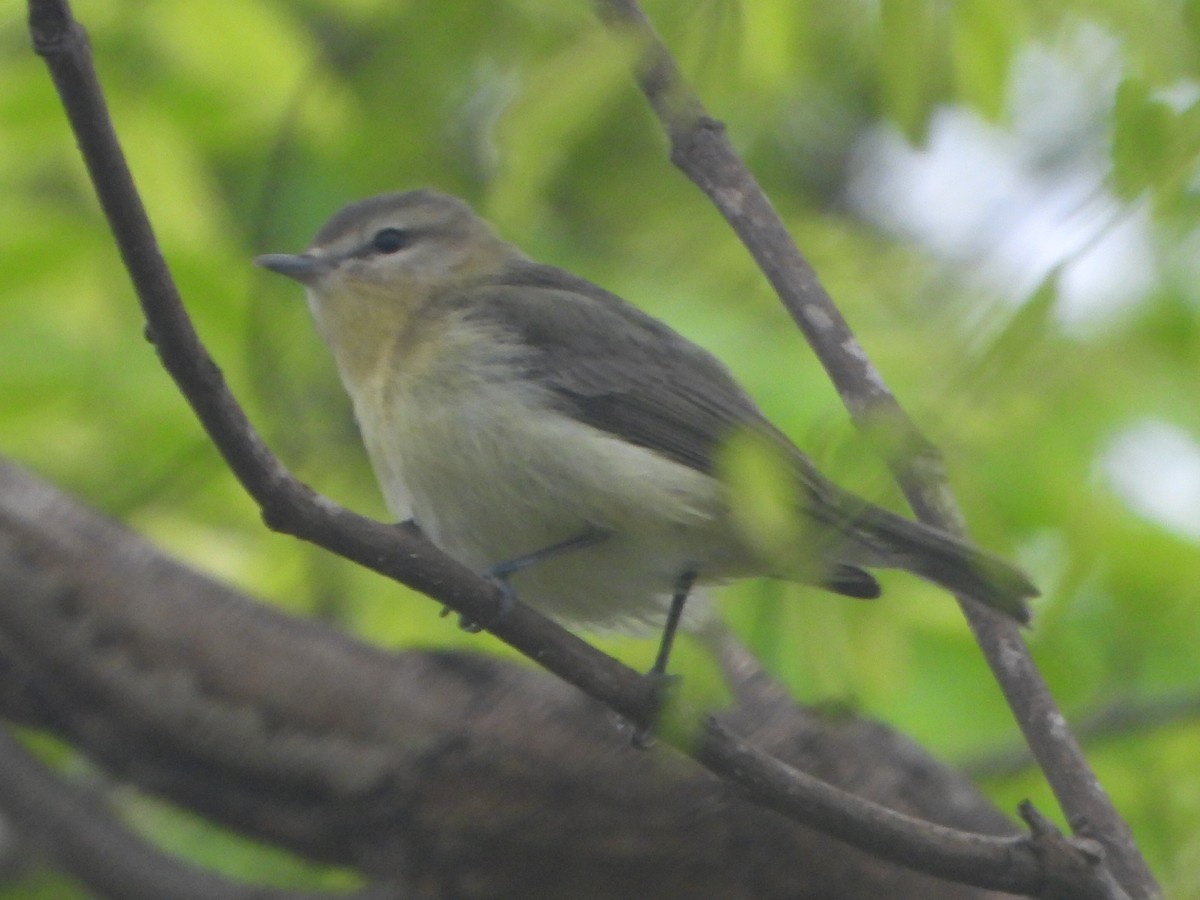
x: 247, y: 122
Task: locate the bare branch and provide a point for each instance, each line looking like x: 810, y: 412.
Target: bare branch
x: 700, y: 149
x: 1120, y: 717
x: 288, y: 505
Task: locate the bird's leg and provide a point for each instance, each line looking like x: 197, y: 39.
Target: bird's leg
x: 502, y: 572
x: 588, y: 538
x: 679, y: 596
x: 643, y: 738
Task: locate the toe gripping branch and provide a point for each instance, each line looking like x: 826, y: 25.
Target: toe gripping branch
x: 643, y: 738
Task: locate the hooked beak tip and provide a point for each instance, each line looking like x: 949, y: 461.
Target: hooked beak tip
x: 302, y: 267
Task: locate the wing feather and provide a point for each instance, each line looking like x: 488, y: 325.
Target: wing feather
x: 610, y: 365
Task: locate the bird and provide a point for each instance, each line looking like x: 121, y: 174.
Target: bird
x: 557, y: 439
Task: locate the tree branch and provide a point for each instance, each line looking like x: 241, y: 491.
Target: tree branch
x: 382, y: 761
x: 292, y: 507
x: 700, y: 149
x: 1119, y: 717
x: 87, y: 841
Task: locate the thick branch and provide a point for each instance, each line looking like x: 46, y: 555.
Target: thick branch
x: 88, y: 842
x: 383, y: 761
x: 701, y: 150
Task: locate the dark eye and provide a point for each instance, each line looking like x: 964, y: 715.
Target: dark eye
x: 389, y: 240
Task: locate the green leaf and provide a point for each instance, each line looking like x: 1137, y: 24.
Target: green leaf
x: 911, y: 44
x: 1142, y: 129
x: 1191, y: 20
x: 762, y: 486
x: 983, y: 39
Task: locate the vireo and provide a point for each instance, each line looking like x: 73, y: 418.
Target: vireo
x: 546, y: 432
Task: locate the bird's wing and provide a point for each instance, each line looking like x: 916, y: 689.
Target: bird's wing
x: 612, y: 366
x: 609, y: 365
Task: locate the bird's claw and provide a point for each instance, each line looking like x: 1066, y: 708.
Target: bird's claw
x: 508, y: 599
x: 663, y: 686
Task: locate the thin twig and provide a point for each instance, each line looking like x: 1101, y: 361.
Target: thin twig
x: 1121, y: 717
x: 700, y: 149
x: 1005, y: 864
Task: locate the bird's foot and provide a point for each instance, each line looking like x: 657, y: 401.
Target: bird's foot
x: 664, y: 686
x: 508, y: 599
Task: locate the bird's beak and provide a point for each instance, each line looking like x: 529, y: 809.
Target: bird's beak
x: 304, y: 268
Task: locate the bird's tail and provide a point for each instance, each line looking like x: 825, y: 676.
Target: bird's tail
x: 961, y: 568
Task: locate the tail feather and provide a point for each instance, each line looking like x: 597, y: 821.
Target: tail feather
x: 953, y: 564
x: 851, y: 581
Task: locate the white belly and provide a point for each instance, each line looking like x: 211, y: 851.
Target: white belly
x: 490, y: 475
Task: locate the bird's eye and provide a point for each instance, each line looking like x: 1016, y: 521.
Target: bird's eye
x: 389, y: 240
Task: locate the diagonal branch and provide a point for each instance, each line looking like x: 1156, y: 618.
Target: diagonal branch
x: 700, y: 149
x: 288, y: 505
x: 1117, y: 718
x: 291, y: 507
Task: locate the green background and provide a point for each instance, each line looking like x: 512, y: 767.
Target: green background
x: 248, y: 122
